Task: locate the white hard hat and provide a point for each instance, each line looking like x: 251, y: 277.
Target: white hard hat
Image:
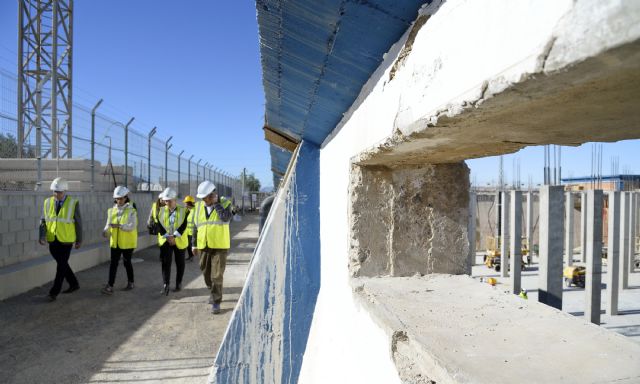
x: 168, y: 194
x: 59, y: 184
x: 205, y: 188
x: 120, y: 191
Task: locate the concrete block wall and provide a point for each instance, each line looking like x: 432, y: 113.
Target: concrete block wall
x: 25, y: 264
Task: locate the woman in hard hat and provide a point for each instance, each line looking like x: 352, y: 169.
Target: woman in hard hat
x: 172, y: 238
x: 189, y: 203
x: 122, y: 229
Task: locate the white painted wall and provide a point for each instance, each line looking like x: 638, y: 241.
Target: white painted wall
x: 465, y: 47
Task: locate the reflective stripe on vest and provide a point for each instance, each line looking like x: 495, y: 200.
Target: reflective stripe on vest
x: 60, y: 226
x: 119, y: 238
x: 180, y: 217
x: 212, y: 232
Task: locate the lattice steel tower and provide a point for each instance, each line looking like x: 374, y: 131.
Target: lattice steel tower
x: 45, y: 43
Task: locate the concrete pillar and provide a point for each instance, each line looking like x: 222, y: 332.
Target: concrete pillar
x: 504, y: 241
x: 613, y: 250
x: 551, y: 242
x: 625, y: 212
x: 633, y: 217
x: 568, y: 228
x: 593, y: 277
x: 529, y: 225
x: 471, y: 230
x: 583, y: 226
x: 515, y: 232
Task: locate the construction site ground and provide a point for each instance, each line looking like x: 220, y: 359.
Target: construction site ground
x: 626, y: 323
x: 131, y: 336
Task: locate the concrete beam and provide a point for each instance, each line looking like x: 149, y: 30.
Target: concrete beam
x: 515, y: 231
x: 551, y: 229
x: 504, y: 240
x: 593, y: 277
x: 613, y: 253
x: 568, y: 228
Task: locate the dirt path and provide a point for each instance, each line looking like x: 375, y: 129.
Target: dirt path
x: 135, y: 336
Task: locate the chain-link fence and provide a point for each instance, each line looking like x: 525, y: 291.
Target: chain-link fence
x: 105, y: 152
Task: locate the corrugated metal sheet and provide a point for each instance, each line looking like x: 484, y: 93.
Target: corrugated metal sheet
x: 279, y: 161
x: 317, y: 55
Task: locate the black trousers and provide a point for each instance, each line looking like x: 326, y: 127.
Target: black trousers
x: 166, y: 251
x: 61, y: 253
x: 126, y: 260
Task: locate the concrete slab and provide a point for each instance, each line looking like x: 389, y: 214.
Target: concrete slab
x: 626, y: 323
x: 453, y: 329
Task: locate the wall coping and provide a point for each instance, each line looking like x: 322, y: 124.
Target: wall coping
x: 454, y: 329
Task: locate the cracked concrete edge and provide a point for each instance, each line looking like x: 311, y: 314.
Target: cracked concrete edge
x: 556, y: 56
x: 403, y: 349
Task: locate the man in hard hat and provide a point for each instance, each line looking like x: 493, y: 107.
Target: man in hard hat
x: 212, y: 240
x: 122, y: 230
x: 61, y: 227
x: 189, y: 203
x: 173, y: 239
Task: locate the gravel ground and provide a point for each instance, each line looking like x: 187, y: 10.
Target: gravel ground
x: 134, y: 336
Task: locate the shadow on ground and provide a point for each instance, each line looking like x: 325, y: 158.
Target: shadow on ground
x: 75, y: 337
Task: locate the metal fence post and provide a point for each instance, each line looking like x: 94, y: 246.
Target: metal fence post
x: 150, y: 135
x: 166, y: 161
x: 189, y: 174
x: 126, y: 152
x: 93, y: 145
x: 179, y: 156
x: 198, y: 172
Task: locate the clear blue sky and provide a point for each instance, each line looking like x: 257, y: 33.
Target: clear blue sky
x: 193, y: 69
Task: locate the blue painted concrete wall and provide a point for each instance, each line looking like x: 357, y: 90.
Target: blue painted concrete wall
x: 268, y: 332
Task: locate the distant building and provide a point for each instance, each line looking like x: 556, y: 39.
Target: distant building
x: 606, y: 183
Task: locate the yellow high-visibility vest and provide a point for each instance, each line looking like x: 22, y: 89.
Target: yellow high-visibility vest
x: 189, y: 230
x: 62, y: 225
x: 163, y: 219
x: 212, y: 232
x: 119, y: 238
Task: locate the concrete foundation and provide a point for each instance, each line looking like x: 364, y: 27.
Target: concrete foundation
x: 515, y: 230
x: 613, y: 253
x: 568, y: 228
x: 551, y: 230
x: 505, y: 237
x: 593, y: 276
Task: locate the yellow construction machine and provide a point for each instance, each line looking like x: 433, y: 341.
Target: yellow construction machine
x: 574, y: 275
x: 492, y: 257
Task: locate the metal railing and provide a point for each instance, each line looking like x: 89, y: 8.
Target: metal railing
x: 106, y: 152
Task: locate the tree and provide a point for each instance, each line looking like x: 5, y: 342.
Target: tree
x: 251, y: 183
x: 9, y: 147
